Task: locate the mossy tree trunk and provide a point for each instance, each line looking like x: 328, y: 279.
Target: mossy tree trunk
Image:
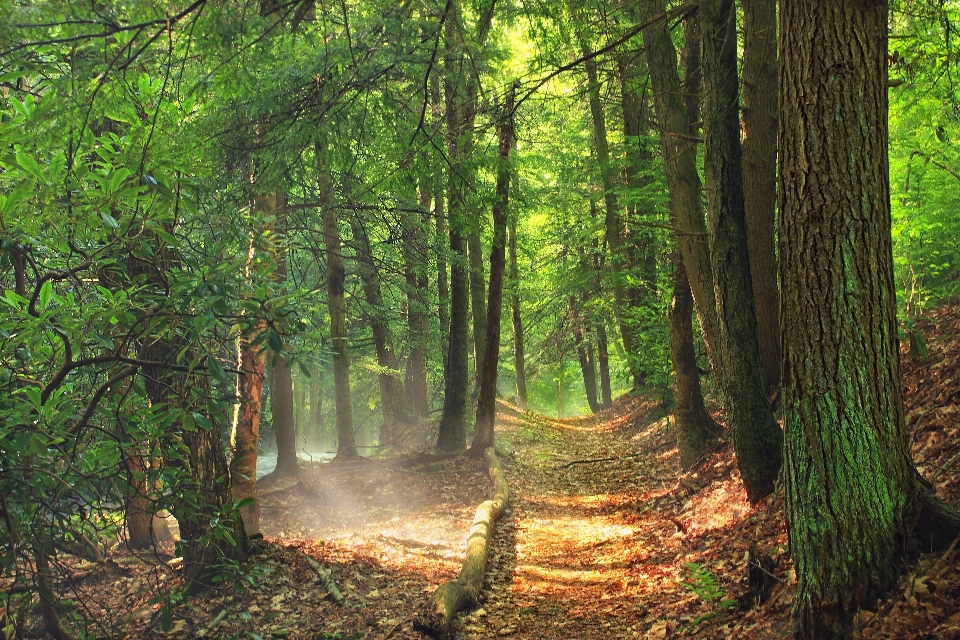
x: 853, y: 498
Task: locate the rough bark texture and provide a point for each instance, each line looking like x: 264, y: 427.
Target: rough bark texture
x: 695, y: 427
x: 518, y: 356
x: 346, y: 444
x: 756, y: 436
x: 459, y: 117
x: 483, y: 434
x: 246, y: 433
x: 852, y: 496
x: 391, y: 390
x: 437, y: 614
x: 680, y: 159
x: 760, y: 173
x: 316, y: 409
x: 612, y: 219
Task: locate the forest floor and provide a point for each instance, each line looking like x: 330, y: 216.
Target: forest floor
x: 605, y: 537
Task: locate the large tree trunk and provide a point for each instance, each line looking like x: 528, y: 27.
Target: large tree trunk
x: 246, y: 433
x: 518, y: 365
x: 680, y: 159
x: 612, y: 221
x: 415, y: 274
x: 459, y: 117
x: 756, y: 436
x: 391, y: 390
x: 852, y: 496
x: 336, y: 275
x: 483, y: 435
x: 760, y: 173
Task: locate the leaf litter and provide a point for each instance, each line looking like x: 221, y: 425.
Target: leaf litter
x: 605, y: 538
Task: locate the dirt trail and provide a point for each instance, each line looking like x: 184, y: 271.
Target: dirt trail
x: 597, y: 549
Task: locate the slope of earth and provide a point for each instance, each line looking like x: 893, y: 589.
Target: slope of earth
x: 605, y: 538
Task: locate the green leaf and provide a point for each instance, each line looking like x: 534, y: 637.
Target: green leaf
x: 203, y: 421
x: 110, y: 220
x: 46, y: 293
x: 117, y: 178
x: 31, y: 166
x: 304, y: 369
x: 275, y: 341
x: 216, y: 370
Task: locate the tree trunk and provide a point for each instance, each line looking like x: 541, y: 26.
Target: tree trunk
x: 336, y: 275
x: 483, y: 435
x: 586, y: 364
x: 459, y: 118
x: 442, y: 237
x: 603, y: 362
x: 316, y: 410
x: 612, y: 220
x: 391, y: 391
x: 680, y: 158
x: 246, y: 433
x: 478, y: 304
x: 415, y: 273
x: 756, y: 436
x: 281, y: 398
x: 518, y: 365
x: 852, y: 497
x: 760, y: 173
x: 695, y: 427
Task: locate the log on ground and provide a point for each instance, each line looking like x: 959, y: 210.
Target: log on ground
x: 436, y: 616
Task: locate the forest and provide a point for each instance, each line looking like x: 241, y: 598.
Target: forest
x: 395, y: 319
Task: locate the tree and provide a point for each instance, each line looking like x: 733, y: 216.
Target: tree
x: 756, y: 436
x: 518, y: 356
x: 760, y: 174
x: 487, y: 402
x: 855, y: 505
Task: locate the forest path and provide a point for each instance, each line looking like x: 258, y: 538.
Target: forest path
x: 601, y: 526
x: 596, y: 549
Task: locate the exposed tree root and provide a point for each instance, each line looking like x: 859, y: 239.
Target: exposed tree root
x: 437, y: 614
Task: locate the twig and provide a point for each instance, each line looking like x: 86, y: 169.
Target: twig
x: 592, y: 460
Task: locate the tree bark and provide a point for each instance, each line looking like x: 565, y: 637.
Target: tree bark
x: 586, y: 364
x: 756, y: 436
x: 680, y: 158
x: 483, y: 435
x: 603, y: 363
x: 695, y: 427
x: 246, y: 433
x: 760, y: 174
x: 854, y: 502
x: 336, y: 275
x: 281, y: 398
x: 518, y: 356
x: 459, y: 118
x: 478, y: 305
x: 316, y: 410
x: 441, y: 238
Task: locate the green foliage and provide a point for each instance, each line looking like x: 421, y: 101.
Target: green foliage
x: 705, y: 585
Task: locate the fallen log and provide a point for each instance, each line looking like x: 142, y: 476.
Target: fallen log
x: 437, y: 614
x: 327, y: 580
